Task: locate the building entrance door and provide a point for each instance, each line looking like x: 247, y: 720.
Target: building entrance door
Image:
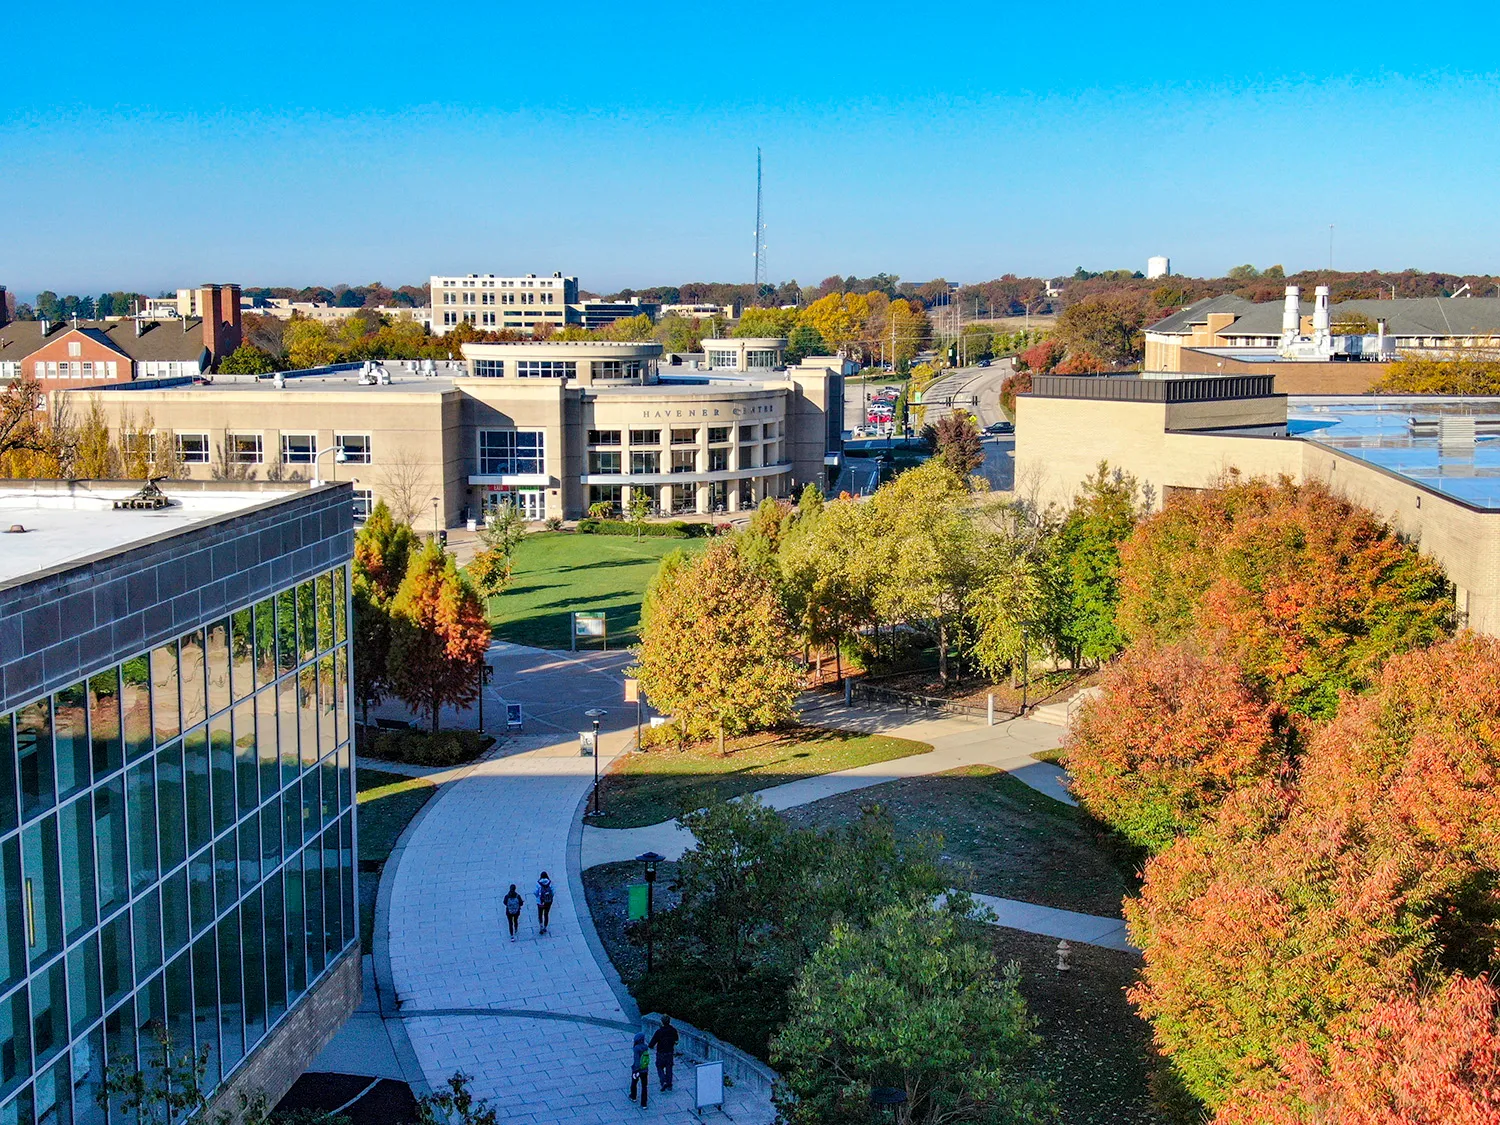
x: 530, y: 502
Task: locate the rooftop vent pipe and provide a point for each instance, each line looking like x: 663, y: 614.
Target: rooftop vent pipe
x: 1291, y: 312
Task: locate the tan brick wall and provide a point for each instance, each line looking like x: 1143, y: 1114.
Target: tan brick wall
x: 284, y: 1055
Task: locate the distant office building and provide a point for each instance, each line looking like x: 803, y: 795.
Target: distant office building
x: 492, y: 303
x: 703, y: 310
x: 283, y: 308
x: 551, y: 427
x: 177, y: 831
x: 1158, y: 267
x: 72, y: 354
x: 600, y: 314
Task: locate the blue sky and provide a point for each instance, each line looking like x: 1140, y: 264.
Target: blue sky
x: 387, y: 142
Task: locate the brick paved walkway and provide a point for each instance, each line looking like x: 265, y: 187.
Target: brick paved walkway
x: 537, y: 1022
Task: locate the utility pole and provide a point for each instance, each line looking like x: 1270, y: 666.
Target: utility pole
x: 760, y: 229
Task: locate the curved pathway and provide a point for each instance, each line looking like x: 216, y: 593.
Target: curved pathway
x: 541, y: 1023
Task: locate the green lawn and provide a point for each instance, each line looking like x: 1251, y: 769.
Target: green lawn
x: 387, y: 803
x: 558, y: 572
x: 663, y: 782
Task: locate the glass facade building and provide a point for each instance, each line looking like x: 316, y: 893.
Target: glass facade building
x: 176, y: 850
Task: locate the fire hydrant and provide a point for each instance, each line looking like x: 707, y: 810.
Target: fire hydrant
x: 1063, y: 949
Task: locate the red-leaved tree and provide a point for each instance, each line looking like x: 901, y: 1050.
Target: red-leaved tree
x: 1417, y: 1059
x: 1307, y: 592
x: 1172, y: 734
x: 1041, y: 358
x: 439, y: 635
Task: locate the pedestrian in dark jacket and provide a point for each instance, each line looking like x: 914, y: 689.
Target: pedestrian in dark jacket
x: 513, y: 902
x: 664, y: 1043
x: 543, y: 901
x: 640, y: 1066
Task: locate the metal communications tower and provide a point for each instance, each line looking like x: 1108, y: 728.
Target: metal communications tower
x: 760, y: 229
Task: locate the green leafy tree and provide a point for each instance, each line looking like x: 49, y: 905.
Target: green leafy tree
x: 825, y: 573
x: 640, y: 510
x: 1103, y: 515
x: 247, y: 359
x: 908, y: 1002
x: 382, y: 548
x: 717, y: 652
x: 439, y: 636
x: 1012, y: 607
x: 456, y: 1105
x: 802, y: 341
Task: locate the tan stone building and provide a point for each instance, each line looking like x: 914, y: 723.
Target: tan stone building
x: 1174, y: 433
x: 550, y: 427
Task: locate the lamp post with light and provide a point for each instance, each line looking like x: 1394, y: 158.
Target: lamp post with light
x: 434, y: 518
x: 650, y: 859
x: 596, y: 714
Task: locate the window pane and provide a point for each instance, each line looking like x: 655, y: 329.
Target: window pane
x: 104, y: 721
x: 140, y: 798
x: 311, y: 815
x: 253, y: 948
x: 194, y: 678
x: 312, y: 904
x: 232, y: 1034
x: 242, y: 652
x: 265, y: 742
x: 206, y: 1001
x: 221, y: 767
x: 169, y: 806
x: 341, y: 691
x: 49, y: 1012
x: 245, y: 761
x: 329, y: 768
x: 71, y: 736
x: 145, y: 918
x: 118, y: 964
x: 15, y: 1041
x: 265, y: 642
x: 88, y: 1079
x: 343, y: 777
x: 275, y: 950
x: 307, y: 711
x: 13, y: 933
x: 270, y: 834
x: 200, y: 822
x: 119, y: 1037
x: 340, y: 607
x: 249, y: 834
x: 347, y: 877
x: 201, y: 890
x: 296, y: 932
x: 333, y: 935
x: 174, y: 913
x: 327, y: 731
x: 286, y: 700
x: 179, y: 976
x: 167, y: 718
x: 307, y: 614
x: 286, y: 630
x: 109, y: 835
x: 218, y: 666
x: 226, y: 873
x: 42, y: 889
x: 85, y: 999
x: 291, y: 818
x: 9, y: 815
x: 150, y: 1014
x: 34, y: 751
x: 325, y: 611
x: 76, y: 828
x: 135, y: 704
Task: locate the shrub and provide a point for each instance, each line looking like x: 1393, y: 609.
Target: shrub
x: 553, y: 523
x: 673, y: 529
x: 1172, y: 734
x: 422, y: 748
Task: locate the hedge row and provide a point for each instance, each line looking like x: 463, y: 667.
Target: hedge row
x: 674, y: 529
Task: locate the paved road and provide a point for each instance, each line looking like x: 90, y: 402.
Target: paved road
x: 966, y: 383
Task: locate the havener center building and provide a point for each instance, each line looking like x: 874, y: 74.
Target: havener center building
x: 553, y: 428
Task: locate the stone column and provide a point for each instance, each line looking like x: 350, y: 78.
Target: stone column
x: 703, y: 506
x: 664, y: 498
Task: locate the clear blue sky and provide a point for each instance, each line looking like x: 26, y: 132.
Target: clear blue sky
x: 327, y: 143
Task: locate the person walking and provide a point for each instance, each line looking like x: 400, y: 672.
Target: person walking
x: 513, y: 902
x: 664, y: 1043
x: 640, y: 1066
x: 543, y: 901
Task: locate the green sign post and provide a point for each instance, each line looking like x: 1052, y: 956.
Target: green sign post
x: 638, y: 896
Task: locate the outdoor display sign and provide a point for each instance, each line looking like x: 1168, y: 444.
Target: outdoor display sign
x: 710, y: 1085
x: 636, y: 910
x: 589, y: 625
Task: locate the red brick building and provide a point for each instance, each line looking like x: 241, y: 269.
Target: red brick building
x: 92, y: 353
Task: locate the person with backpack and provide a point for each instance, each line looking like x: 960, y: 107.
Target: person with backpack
x: 664, y: 1043
x: 543, y: 901
x: 640, y: 1066
x: 513, y: 902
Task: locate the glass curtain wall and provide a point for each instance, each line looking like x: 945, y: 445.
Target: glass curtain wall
x: 176, y: 851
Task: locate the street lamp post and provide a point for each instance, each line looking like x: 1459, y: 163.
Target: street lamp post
x: 434, y: 518
x: 596, y: 713
x: 486, y: 674
x: 650, y: 859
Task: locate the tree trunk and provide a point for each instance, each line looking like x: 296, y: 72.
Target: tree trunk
x: 943, y: 651
x: 436, y: 708
x: 838, y: 662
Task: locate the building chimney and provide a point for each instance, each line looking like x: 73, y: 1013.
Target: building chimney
x: 219, y: 306
x: 1291, y: 314
x: 1322, y: 322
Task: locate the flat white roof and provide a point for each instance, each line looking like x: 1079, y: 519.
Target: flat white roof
x: 63, y: 527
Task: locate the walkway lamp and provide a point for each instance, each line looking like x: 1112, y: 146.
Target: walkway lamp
x: 884, y: 1098
x: 596, y: 714
x: 650, y: 859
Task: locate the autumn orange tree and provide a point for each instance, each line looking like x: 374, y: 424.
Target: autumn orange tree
x: 1420, y: 1058
x: 1171, y: 735
x: 717, y: 652
x: 439, y: 635
x: 1306, y: 591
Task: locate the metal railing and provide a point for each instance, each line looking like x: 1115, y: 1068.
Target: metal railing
x: 926, y: 704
